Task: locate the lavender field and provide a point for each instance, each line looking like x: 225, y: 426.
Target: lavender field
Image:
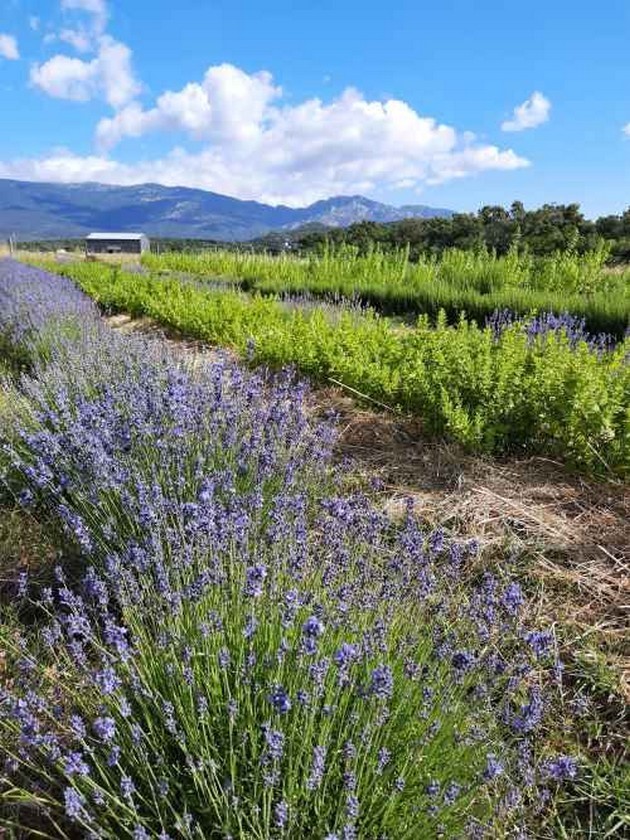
x: 218, y: 635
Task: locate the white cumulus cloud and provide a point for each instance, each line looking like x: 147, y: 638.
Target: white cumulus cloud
x: 97, y: 8
x: 256, y: 145
x: 531, y: 113
x: 109, y: 75
x: 80, y: 39
x: 228, y: 104
x: 87, y: 22
x: 626, y: 129
x: 9, y: 47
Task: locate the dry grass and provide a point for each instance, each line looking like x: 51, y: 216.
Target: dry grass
x: 575, y: 531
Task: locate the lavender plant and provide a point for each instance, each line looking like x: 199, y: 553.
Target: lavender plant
x: 35, y: 305
x: 512, y: 392
x: 248, y: 652
x: 538, y: 326
x: 278, y: 680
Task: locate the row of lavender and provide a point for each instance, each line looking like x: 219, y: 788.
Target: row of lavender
x: 246, y: 652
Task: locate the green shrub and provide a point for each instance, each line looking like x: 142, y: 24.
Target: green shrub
x: 493, y: 393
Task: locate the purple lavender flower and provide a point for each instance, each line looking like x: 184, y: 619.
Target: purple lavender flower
x: 75, y: 803
x: 433, y: 788
x: 274, y: 740
x: 560, y: 768
x: 317, y: 768
x: 382, y: 682
x: 116, y: 637
x: 451, y: 793
x: 255, y: 579
x: 113, y: 757
x: 350, y: 780
x: 530, y: 714
x: 312, y: 629
x: 22, y: 584
x: 318, y: 671
x: 77, y: 725
x: 346, y: 655
x: 107, y: 681
x: 127, y: 787
x: 124, y: 707
x: 546, y: 324
x: 352, y: 806
x: 512, y: 598
x: 384, y: 757
x: 281, y: 814
x: 105, y: 728
x: 250, y: 627
x: 137, y: 734
x: 493, y: 769
x: 463, y: 661
x: 74, y: 765
x: 280, y: 700
x: 97, y: 797
x: 539, y: 641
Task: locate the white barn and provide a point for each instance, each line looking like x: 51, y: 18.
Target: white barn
x: 116, y: 243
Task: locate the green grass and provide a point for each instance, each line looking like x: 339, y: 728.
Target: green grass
x: 597, y: 805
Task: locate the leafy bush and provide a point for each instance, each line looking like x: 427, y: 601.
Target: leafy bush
x: 550, y: 392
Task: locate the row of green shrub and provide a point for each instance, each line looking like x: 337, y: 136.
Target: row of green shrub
x: 477, y: 283
x: 505, y: 393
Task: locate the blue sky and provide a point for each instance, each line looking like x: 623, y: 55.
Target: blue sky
x: 454, y: 104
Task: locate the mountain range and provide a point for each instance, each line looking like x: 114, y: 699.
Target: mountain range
x: 34, y: 210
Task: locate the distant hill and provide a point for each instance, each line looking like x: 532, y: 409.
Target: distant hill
x: 49, y: 211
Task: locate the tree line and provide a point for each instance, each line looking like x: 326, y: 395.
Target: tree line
x: 549, y: 229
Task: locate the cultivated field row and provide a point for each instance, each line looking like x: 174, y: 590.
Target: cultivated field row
x: 477, y: 283
x: 542, y: 384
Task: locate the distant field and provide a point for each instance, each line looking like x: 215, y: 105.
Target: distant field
x: 458, y: 282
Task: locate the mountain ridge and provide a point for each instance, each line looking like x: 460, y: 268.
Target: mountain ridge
x: 46, y: 210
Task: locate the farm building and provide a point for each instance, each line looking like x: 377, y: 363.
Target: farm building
x: 116, y: 243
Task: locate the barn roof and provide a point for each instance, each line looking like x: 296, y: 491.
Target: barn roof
x: 121, y: 236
